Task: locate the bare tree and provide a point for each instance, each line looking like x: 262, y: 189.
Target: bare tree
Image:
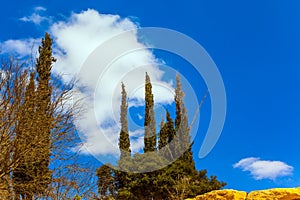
x: 13, y: 80
x: 24, y: 153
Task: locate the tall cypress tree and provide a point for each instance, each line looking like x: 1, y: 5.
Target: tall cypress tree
x: 44, y: 113
x: 178, y: 180
x: 149, y: 123
x: 182, y: 143
x: 178, y: 98
x: 124, y: 142
x: 123, y: 178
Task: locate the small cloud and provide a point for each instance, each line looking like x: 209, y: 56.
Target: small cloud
x: 136, y: 140
x: 40, y: 8
x: 35, y: 17
x: 23, y: 47
x: 264, y: 169
x: 139, y: 116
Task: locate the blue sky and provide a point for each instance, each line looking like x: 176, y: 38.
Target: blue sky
x: 255, y: 45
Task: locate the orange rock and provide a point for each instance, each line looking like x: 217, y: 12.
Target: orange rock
x: 222, y: 195
x: 275, y: 194
x: 271, y: 194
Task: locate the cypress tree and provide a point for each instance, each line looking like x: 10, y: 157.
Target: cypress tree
x: 183, y: 144
x: 166, y: 136
x: 171, y: 133
x: 163, y: 135
x: 178, y: 180
x: 149, y: 123
x: 185, y: 138
x: 44, y: 114
x: 124, y: 142
x: 178, y: 98
x: 123, y: 178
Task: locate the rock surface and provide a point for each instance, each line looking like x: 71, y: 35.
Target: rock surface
x: 275, y: 194
x: 222, y: 195
x: 271, y: 194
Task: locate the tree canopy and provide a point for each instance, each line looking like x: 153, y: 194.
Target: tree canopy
x: 166, y: 169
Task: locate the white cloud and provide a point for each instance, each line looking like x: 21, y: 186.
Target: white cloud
x: 75, y: 39
x: 23, y: 47
x: 264, y: 169
x: 140, y: 116
x: 40, y: 8
x: 137, y: 140
x: 35, y: 17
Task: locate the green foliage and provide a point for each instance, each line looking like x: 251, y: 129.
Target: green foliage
x: 33, y: 176
x: 44, y: 113
x: 106, y: 181
x: 45, y: 59
x: 178, y: 98
x: 149, y: 123
x: 169, y: 172
x: 124, y: 142
x: 77, y: 197
x: 166, y: 135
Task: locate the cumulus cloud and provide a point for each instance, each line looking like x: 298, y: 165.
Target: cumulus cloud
x: 75, y: 39
x: 264, y: 169
x: 22, y: 47
x: 35, y: 17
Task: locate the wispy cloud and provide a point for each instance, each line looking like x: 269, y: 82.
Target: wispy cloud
x: 40, y: 8
x: 264, y: 169
x: 36, y: 16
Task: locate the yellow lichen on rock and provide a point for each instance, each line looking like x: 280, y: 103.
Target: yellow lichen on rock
x: 271, y: 194
x: 275, y: 194
x: 222, y: 195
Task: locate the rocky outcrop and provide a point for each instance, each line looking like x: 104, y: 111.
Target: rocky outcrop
x: 271, y: 194
x: 275, y: 194
x: 222, y: 195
